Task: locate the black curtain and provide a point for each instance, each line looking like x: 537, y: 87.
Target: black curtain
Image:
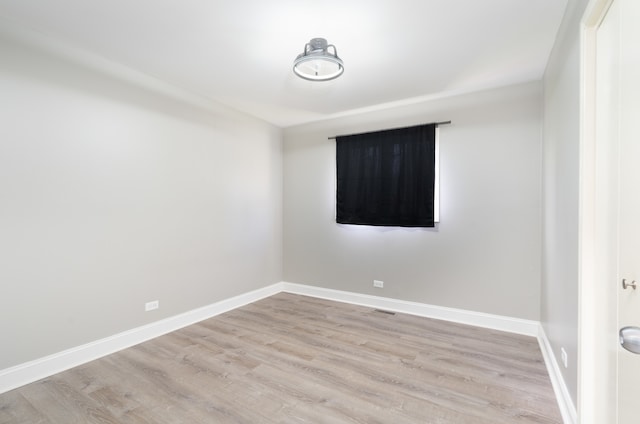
x: 387, y: 177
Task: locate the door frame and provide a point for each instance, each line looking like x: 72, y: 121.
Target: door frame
x: 596, y: 365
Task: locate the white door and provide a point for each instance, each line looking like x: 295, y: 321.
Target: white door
x: 629, y: 209
x: 618, y: 146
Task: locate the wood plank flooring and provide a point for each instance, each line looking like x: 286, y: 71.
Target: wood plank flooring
x: 296, y: 359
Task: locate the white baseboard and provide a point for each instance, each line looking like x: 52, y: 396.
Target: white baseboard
x: 11, y: 378
x: 565, y: 403
x: 478, y: 319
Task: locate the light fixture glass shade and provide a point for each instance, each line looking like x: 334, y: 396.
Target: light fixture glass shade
x: 317, y: 63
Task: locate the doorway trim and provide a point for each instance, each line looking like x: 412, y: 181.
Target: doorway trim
x: 594, y: 320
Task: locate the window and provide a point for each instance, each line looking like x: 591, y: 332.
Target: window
x: 388, y: 178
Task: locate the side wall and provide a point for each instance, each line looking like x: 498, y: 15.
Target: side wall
x: 484, y: 256
x: 113, y: 195
x: 559, y: 301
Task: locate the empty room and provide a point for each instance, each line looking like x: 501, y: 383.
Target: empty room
x: 339, y: 212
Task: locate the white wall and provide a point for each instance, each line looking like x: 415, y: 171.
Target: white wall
x: 559, y: 301
x: 485, y: 254
x: 112, y: 195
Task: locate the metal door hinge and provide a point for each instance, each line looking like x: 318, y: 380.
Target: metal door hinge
x: 626, y: 285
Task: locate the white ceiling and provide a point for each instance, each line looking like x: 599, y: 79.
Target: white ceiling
x: 240, y: 52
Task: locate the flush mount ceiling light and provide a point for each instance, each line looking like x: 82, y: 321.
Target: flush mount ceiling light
x: 317, y: 63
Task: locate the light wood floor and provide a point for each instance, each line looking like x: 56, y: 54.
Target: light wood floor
x: 295, y: 359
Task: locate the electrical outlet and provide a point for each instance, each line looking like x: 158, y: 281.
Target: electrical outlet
x: 379, y: 284
x: 150, y: 306
x: 565, y: 359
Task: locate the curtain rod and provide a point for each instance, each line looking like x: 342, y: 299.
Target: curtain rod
x: 400, y: 128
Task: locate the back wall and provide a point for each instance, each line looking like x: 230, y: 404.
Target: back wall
x: 485, y: 254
